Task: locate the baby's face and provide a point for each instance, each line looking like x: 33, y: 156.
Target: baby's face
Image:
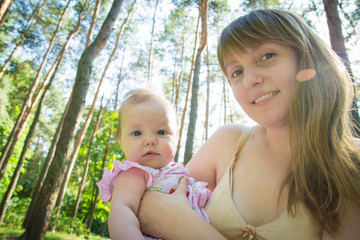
x: 148, y: 134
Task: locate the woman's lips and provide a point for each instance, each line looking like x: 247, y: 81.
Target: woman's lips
x: 264, y: 97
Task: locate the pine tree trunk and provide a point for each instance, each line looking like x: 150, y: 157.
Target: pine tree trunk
x: 179, y: 78
x: 87, y: 163
x: 92, y: 25
x: 203, y: 9
x: 151, y: 45
x: 338, y: 45
x: 94, y: 202
x: 187, y: 93
x: 39, y: 220
x: 82, y: 133
x: 206, y: 124
x: 56, y: 136
x: 4, y: 9
x: 93, y: 205
x: 16, y: 173
x: 22, y: 39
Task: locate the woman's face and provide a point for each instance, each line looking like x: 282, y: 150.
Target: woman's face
x: 262, y: 80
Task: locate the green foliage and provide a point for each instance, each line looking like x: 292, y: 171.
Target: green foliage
x: 16, y: 211
x: 257, y: 4
x: 20, y: 75
x: 69, y: 225
x: 8, y: 233
x: 175, y: 30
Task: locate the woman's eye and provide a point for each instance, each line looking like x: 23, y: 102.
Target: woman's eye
x: 267, y: 56
x: 161, y: 132
x: 136, y: 133
x: 236, y: 73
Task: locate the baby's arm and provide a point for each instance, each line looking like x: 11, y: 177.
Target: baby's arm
x: 128, y: 190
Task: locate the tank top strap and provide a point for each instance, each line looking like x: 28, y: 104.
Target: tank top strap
x: 241, y: 142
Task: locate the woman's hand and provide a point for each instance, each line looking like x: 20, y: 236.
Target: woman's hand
x: 160, y: 213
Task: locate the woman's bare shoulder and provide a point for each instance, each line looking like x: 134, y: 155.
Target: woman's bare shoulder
x: 230, y: 130
x: 211, y: 160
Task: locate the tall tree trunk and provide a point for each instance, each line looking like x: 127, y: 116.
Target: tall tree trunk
x: 151, y: 45
x: 87, y: 163
x: 4, y: 9
x: 28, y: 105
x: 56, y: 137
x: 16, y: 173
x: 22, y: 38
x: 92, y: 25
x: 174, y: 79
x: 82, y: 133
x: 95, y: 201
x: 224, y: 100
x: 187, y: 93
x: 338, y: 45
x: 203, y: 10
x: 179, y: 78
x: 45, y: 168
x: 206, y: 124
x: 107, y: 144
x: 39, y: 221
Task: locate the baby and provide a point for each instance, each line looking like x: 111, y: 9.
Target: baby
x: 147, y: 133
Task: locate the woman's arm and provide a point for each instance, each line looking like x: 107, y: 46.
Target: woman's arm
x: 128, y: 190
x: 349, y: 228
x: 178, y: 220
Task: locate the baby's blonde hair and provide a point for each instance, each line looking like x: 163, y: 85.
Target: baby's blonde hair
x: 138, y: 96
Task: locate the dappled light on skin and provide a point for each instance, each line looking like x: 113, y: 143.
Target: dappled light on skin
x: 305, y: 75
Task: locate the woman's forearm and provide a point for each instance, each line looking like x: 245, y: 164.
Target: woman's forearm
x: 170, y: 216
x: 192, y: 226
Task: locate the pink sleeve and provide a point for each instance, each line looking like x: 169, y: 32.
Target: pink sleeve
x: 106, y: 184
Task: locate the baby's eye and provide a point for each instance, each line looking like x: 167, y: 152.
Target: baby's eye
x: 136, y: 133
x: 161, y: 132
x: 236, y: 73
x: 267, y: 56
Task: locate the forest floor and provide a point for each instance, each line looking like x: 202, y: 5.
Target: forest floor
x: 12, y: 234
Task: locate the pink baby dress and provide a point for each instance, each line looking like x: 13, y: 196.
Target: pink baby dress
x: 163, y: 180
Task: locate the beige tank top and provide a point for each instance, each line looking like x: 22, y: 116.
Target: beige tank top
x: 225, y: 217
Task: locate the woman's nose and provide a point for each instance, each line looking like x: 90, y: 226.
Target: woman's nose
x: 252, y: 78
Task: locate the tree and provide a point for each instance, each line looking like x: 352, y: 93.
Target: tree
x: 16, y: 173
x: 85, y: 126
x: 338, y: 45
x: 87, y: 163
x: 203, y: 12
x: 39, y: 221
x: 22, y: 38
x: 4, y: 8
x: 92, y: 25
x: 151, y: 44
x: 182, y: 124
x: 28, y: 105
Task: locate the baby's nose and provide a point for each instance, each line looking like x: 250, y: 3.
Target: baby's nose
x: 150, y: 141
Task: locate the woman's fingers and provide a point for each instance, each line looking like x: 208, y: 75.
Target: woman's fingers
x: 182, y: 187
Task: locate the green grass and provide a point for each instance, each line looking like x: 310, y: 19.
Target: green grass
x: 12, y: 234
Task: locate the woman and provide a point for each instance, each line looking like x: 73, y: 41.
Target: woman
x: 296, y: 174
